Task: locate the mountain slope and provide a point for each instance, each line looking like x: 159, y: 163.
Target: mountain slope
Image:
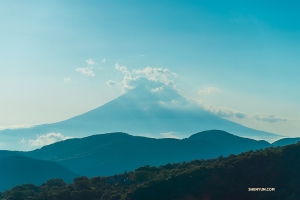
x: 4, y: 154
x: 17, y: 170
x: 275, y: 169
x: 228, y: 178
x: 285, y: 141
x: 107, y: 154
x: 141, y: 111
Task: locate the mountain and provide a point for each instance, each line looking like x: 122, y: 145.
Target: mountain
x: 235, y: 177
x: 17, y: 170
x: 285, y: 141
x: 4, y: 154
x: 274, y: 169
x: 113, y: 153
x: 144, y: 111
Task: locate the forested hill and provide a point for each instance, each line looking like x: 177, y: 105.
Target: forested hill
x: 113, y: 153
x: 16, y: 170
x: 216, y: 179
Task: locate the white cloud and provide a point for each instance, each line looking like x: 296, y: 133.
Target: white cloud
x: 158, y: 89
x: 67, y: 80
x: 90, y: 62
x: 226, y: 112
x: 271, y: 118
x: 46, y: 139
x: 169, y: 134
x: 111, y: 83
x: 104, y: 60
x: 209, y: 90
x: 86, y: 71
x: 15, y: 126
x: 157, y: 74
x: 127, y: 76
x: 152, y: 77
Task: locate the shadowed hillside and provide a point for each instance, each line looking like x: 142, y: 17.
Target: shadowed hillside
x: 275, y: 169
x: 17, y: 170
x: 108, y: 154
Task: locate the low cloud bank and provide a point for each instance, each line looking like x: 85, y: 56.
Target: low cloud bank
x: 46, y: 139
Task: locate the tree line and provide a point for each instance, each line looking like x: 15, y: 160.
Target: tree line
x: 221, y: 178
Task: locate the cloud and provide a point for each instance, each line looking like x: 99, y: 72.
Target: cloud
x: 152, y: 77
x: 158, y: 89
x: 91, y: 62
x: 127, y: 76
x: 67, y: 80
x: 16, y: 126
x: 228, y: 112
x: 88, y: 71
x: 85, y: 71
x: 271, y: 118
x: 111, y: 83
x: 143, y: 81
x: 157, y: 74
x: 169, y: 134
x: 46, y: 139
x: 209, y: 90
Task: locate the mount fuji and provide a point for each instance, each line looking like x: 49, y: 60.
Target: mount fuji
x: 158, y: 112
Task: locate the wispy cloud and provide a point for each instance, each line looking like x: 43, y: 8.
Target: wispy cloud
x: 85, y: 71
x: 209, y: 90
x: 228, y: 112
x: 15, y: 126
x: 272, y: 118
x: 158, y: 89
x: 152, y: 77
x: 111, y: 83
x: 67, y: 80
x: 127, y: 76
x: 46, y: 139
x: 157, y: 74
x: 169, y: 135
x: 90, y: 62
x: 88, y: 71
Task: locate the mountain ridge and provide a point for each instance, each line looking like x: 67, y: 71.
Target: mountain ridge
x: 19, y: 169
x: 141, y: 111
x: 112, y: 153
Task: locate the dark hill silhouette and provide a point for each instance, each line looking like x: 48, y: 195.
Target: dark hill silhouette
x: 275, y: 169
x: 108, y: 154
x: 141, y: 111
x: 17, y: 170
x: 4, y: 153
x: 285, y: 141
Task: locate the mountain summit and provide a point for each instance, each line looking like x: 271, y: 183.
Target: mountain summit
x: 158, y: 111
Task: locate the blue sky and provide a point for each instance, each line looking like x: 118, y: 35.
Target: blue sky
x: 231, y: 56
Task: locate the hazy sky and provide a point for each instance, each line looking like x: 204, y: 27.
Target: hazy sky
x: 237, y: 59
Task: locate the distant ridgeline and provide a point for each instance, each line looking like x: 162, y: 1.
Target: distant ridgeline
x: 114, y: 153
x: 139, y: 112
x: 274, y: 168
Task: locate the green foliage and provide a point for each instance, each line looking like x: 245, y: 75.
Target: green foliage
x: 221, y: 178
